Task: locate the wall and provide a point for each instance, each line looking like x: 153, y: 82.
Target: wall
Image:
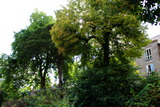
x: 155, y: 51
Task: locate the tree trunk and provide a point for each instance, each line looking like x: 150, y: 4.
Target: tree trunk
x: 106, y: 49
x: 43, y: 82
x: 42, y: 77
x: 60, y: 68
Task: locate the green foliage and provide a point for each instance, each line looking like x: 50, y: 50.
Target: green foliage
x: 104, y: 35
x: 34, y: 50
x: 148, y: 10
x: 36, y: 53
x: 2, y: 96
x: 109, y: 86
x: 149, y: 95
x: 48, y: 98
x: 64, y: 32
x: 39, y: 19
x: 10, y: 73
x: 12, y: 78
x: 100, y: 27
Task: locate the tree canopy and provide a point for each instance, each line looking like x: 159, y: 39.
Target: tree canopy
x: 102, y: 26
x: 34, y: 49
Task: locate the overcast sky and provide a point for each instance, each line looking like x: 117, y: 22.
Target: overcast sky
x: 15, y: 14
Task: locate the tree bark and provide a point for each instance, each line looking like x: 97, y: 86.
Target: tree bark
x: 43, y: 82
x: 42, y: 77
x: 106, y: 49
x: 60, y: 68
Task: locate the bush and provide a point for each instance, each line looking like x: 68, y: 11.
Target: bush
x: 48, y: 98
x: 149, y: 95
x: 109, y: 86
x: 2, y: 96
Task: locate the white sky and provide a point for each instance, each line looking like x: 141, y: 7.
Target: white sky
x: 153, y: 30
x: 15, y: 14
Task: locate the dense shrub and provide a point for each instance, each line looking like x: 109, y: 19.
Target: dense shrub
x: 109, y: 86
x: 149, y: 95
x: 2, y: 96
x: 48, y: 98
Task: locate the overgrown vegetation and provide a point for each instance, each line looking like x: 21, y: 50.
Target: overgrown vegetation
x: 90, y: 48
x: 107, y: 86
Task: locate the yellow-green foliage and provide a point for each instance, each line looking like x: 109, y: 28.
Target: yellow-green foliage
x: 83, y: 20
x: 64, y: 31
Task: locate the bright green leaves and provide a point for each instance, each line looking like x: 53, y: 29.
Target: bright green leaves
x: 39, y: 19
x: 65, y: 37
x: 101, y: 25
x: 128, y: 35
x: 65, y: 32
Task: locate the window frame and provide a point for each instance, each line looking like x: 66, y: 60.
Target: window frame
x: 148, y: 54
x: 150, y: 68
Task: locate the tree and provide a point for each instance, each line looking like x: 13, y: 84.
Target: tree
x: 39, y: 19
x: 107, y: 36
x: 9, y: 72
x: 102, y: 26
x: 14, y: 76
x: 34, y: 49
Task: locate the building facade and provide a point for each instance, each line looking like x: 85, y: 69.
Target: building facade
x: 150, y: 61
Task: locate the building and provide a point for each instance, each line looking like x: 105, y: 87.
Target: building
x: 150, y: 61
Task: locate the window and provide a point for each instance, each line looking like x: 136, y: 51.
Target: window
x: 148, y: 54
x: 150, y: 68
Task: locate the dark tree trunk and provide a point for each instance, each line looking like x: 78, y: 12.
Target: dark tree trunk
x: 42, y: 78
x: 106, y: 49
x: 43, y: 82
x: 43, y: 75
x: 60, y: 68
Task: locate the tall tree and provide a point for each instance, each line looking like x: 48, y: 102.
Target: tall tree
x: 34, y: 49
x: 102, y: 26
